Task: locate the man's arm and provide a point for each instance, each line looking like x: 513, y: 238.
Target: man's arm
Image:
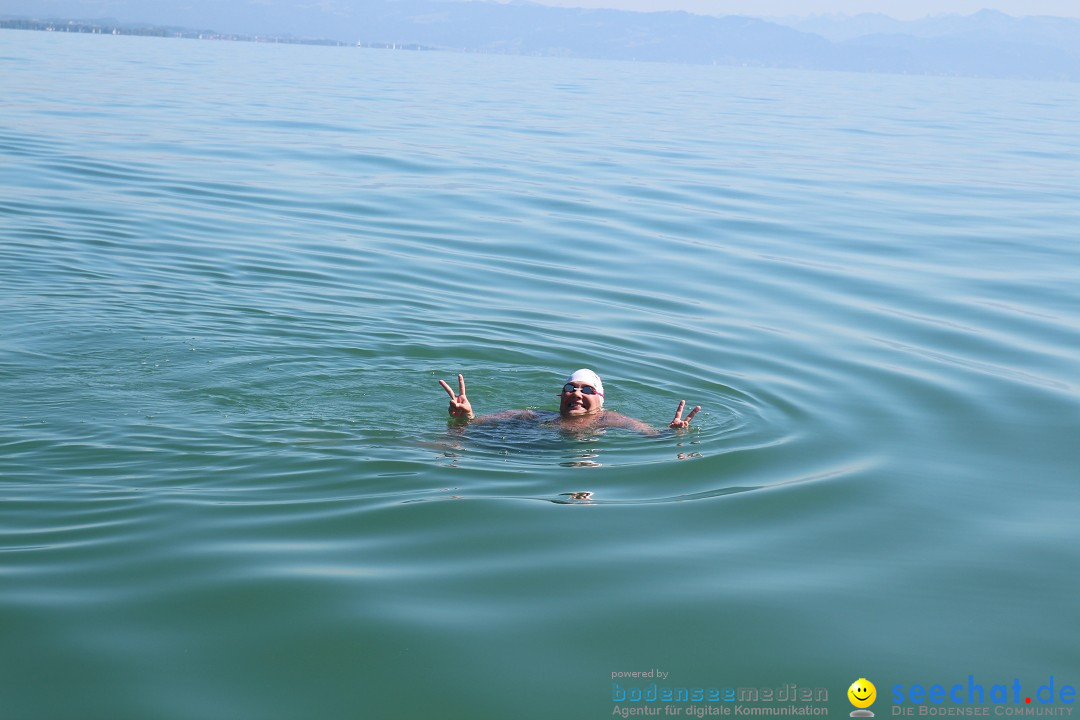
x: 614, y: 419
x: 461, y: 409
x: 505, y: 415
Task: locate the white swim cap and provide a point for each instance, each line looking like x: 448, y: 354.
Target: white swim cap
x: 588, y: 377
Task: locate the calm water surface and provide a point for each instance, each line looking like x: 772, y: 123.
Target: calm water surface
x: 231, y: 276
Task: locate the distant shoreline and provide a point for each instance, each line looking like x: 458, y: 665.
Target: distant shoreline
x: 986, y: 44
x: 87, y: 27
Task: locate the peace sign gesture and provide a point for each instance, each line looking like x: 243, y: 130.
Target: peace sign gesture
x: 460, y: 407
x: 678, y: 422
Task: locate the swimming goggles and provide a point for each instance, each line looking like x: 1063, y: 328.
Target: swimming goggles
x: 585, y: 389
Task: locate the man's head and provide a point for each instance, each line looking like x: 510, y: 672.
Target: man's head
x: 583, y: 394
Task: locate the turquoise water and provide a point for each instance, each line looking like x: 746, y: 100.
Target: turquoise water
x: 231, y: 276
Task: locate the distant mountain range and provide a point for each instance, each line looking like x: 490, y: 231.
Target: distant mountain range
x: 986, y: 44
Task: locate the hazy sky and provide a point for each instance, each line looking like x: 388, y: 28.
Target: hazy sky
x: 902, y: 9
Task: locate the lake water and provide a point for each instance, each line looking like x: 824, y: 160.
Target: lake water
x: 231, y: 276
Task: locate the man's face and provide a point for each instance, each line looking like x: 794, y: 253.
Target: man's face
x: 574, y: 402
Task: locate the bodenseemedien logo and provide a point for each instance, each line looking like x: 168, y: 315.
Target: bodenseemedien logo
x: 862, y: 695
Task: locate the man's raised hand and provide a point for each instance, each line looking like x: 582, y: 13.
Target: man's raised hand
x: 460, y: 407
x: 679, y: 422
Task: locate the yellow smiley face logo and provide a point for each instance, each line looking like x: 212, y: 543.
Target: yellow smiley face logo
x: 862, y: 693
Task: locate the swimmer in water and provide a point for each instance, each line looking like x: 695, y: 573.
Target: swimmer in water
x: 581, y: 405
